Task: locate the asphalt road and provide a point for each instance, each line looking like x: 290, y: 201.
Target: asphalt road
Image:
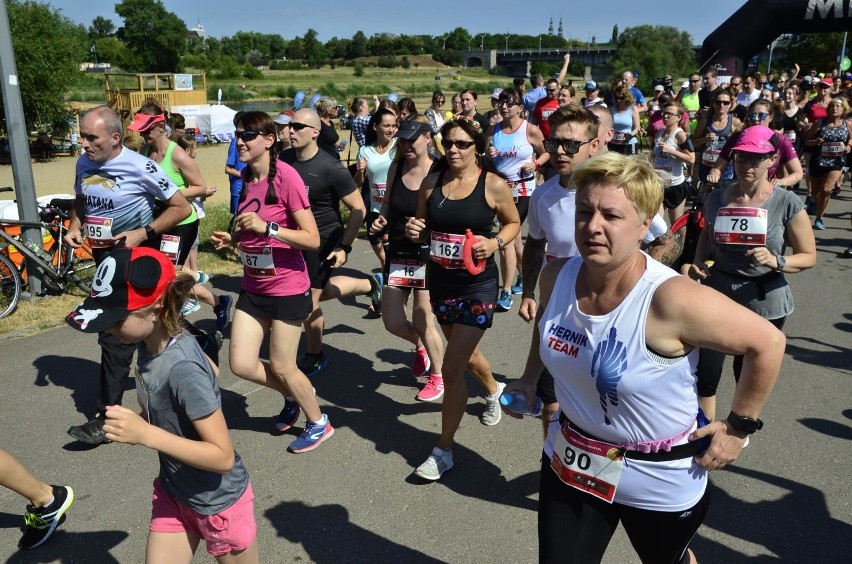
x: 354, y: 499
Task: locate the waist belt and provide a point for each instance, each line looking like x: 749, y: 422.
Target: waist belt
x: 761, y: 280
x: 686, y: 450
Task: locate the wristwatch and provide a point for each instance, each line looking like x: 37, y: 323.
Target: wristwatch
x: 345, y: 248
x: 782, y: 262
x: 149, y: 232
x: 500, y: 243
x: 272, y: 229
x: 745, y: 425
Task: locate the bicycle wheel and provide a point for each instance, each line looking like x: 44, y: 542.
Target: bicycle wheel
x: 10, y: 286
x: 83, y: 267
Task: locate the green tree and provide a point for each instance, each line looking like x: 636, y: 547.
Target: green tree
x: 101, y: 27
x: 358, y: 46
x: 614, y: 38
x: 813, y: 51
x: 111, y: 50
x: 653, y: 51
x: 296, y: 49
x: 314, y: 49
x: 48, y: 50
x: 154, y: 36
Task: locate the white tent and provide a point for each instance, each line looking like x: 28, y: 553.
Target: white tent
x: 212, y: 121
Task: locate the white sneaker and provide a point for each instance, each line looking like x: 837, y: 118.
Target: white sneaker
x: 438, y: 462
x: 492, y: 413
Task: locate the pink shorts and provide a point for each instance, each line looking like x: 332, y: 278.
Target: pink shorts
x: 224, y: 532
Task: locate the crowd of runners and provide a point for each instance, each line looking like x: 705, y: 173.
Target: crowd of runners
x: 626, y: 339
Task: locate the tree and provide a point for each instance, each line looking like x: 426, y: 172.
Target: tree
x: 101, y: 27
x: 358, y: 46
x: 48, y: 50
x: 314, y: 50
x: 654, y: 51
x: 614, y: 39
x: 155, y: 37
x: 813, y: 51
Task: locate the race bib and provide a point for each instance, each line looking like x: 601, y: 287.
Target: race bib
x: 710, y: 156
x: 521, y: 188
x: 692, y: 114
x: 621, y: 137
x: 407, y: 273
x: 257, y: 261
x: 740, y: 226
x: 588, y: 465
x: 170, y: 246
x: 791, y: 135
x: 99, y: 231
x: 833, y: 149
x: 377, y: 193
x: 446, y: 249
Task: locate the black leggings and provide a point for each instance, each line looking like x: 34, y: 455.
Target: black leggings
x: 709, y: 370
x: 576, y: 527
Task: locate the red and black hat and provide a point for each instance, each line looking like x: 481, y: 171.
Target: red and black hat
x: 126, y: 280
x: 144, y: 122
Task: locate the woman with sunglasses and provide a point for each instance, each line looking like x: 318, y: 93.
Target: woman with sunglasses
x: 274, y: 224
x: 830, y: 142
x: 373, y: 162
x: 455, y: 108
x: 464, y: 196
x: 747, y: 228
x: 434, y: 113
x: 711, y: 134
x: 625, y: 119
x: 673, y: 154
x: 516, y: 148
x: 328, y: 138
x: 405, y: 265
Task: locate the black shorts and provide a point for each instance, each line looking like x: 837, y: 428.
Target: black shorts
x: 546, y: 389
x: 279, y: 308
x: 188, y: 233
x: 817, y: 171
x: 319, y: 269
x: 378, y: 237
x: 523, y: 205
x: 673, y: 196
x: 576, y: 527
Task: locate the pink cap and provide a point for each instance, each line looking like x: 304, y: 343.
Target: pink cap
x: 755, y: 139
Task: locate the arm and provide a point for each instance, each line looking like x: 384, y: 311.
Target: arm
x: 636, y: 122
x: 536, y: 138
x: 231, y: 171
x: 531, y: 263
x: 698, y: 269
x: 357, y: 211
x: 698, y: 138
x: 74, y: 235
x: 563, y: 72
x: 801, y: 237
x: 415, y: 227
x: 188, y: 168
x: 684, y: 151
x: 498, y: 194
x: 666, y: 248
x: 791, y: 173
x: 177, y: 209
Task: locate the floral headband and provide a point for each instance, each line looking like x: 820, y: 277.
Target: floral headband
x: 469, y: 120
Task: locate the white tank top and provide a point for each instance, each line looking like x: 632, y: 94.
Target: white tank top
x: 671, y: 167
x: 513, y: 151
x: 614, y: 389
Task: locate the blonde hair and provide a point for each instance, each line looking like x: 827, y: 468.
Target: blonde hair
x: 640, y: 181
x: 325, y: 104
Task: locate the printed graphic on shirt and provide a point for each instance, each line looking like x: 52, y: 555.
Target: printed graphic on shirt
x: 608, y: 365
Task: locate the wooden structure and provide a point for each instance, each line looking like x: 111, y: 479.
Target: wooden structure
x: 125, y: 93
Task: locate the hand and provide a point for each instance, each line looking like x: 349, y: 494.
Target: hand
x: 796, y: 66
x: 699, y: 272
x: 711, y: 136
x: 492, y: 152
x: 220, y: 239
x: 362, y: 166
x: 528, y: 168
x: 725, y: 445
x: 566, y: 57
x: 124, y: 426
x: 713, y: 176
x: 74, y: 238
x: 761, y: 256
x: 378, y: 225
x: 484, y: 248
x: 337, y: 258
x: 132, y: 238
x: 250, y: 221
x: 414, y: 228
x: 528, y: 387
x: 528, y: 308
x: 210, y: 191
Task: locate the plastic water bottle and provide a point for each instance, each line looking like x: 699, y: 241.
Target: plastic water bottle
x: 517, y: 403
x: 38, y: 250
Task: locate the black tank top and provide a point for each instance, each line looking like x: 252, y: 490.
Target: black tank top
x: 403, y: 204
x: 455, y: 216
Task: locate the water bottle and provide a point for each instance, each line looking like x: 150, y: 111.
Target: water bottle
x: 38, y: 250
x: 517, y: 403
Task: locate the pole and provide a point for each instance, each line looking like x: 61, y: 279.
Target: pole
x: 16, y: 128
x: 769, y: 64
x: 842, y: 51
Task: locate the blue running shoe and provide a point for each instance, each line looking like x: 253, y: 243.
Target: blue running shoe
x: 202, y: 278
x: 313, y: 435
x: 189, y: 306
x: 518, y: 286
x: 504, y: 302
x: 223, y: 312
x: 818, y: 224
x: 312, y: 364
x: 288, y: 416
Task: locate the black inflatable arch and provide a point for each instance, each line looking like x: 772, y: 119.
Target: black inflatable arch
x: 759, y: 22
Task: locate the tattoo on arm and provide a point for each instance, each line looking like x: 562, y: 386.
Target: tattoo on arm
x: 666, y: 248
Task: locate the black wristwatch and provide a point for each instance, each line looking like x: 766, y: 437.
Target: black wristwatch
x: 500, y: 243
x: 346, y: 248
x: 745, y: 425
x: 149, y: 232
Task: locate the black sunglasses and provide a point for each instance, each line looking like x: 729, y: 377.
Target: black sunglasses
x: 722, y: 102
x: 295, y: 126
x: 570, y: 146
x: 447, y: 144
x: 670, y: 114
x: 758, y: 116
x: 247, y: 135
x: 507, y: 103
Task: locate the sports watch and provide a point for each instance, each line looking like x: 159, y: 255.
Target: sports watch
x: 743, y: 424
x: 272, y: 229
x: 500, y: 243
x: 149, y: 232
x: 782, y: 262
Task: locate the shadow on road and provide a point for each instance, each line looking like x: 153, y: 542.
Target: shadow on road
x: 73, y: 547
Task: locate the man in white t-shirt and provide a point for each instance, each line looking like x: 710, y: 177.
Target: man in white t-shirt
x: 750, y: 92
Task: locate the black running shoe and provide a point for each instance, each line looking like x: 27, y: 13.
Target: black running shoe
x: 91, y: 432
x: 40, y: 522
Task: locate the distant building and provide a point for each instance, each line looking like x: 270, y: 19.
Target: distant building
x: 198, y: 30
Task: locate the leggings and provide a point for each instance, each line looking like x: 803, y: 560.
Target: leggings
x: 710, y: 363
x: 575, y: 527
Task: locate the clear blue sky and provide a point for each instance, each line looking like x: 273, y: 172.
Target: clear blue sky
x: 341, y: 18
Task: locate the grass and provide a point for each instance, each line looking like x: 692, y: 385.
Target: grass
x: 39, y: 314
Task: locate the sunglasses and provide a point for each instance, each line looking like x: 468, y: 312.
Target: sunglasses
x: 694, y: 81
x: 619, y: 98
x: 448, y: 144
x: 569, y: 146
x: 736, y: 84
x: 758, y: 117
x: 670, y: 114
x: 722, y: 102
x: 295, y: 126
x: 247, y: 135
x: 551, y: 89
x: 507, y: 103
x: 751, y: 159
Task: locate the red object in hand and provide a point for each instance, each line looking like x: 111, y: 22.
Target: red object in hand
x: 474, y: 267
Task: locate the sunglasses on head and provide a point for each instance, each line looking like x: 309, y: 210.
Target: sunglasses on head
x: 295, y: 126
x: 758, y: 116
x: 447, y: 144
x: 569, y: 146
x: 247, y: 135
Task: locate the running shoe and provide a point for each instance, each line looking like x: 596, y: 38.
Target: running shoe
x: 433, y: 390
x: 313, y: 435
x: 421, y: 366
x: 202, y: 278
x: 375, y: 295
x: 40, y: 522
x: 848, y: 251
x: 492, y: 413
x: 223, y: 312
x: 810, y: 205
x: 504, y: 302
x: 818, y: 224
x: 288, y: 416
x: 311, y: 364
x: 91, y: 432
x: 189, y: 306
x: 518, y: 286
x: 438, y: 462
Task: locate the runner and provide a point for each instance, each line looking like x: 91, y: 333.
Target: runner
x: 711, y: 134
x: 673, y: 154
x: 465, y: 195
x: 830, y: 142
x: 625, y: 118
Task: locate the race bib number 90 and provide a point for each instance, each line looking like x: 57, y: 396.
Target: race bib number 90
x: 588, y: 465
x: 740, y: 226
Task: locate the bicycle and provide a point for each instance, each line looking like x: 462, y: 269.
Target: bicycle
x: 60, y: 263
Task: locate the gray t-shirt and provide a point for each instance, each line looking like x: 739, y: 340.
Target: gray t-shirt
x: 179, y: 386
x: 768, y: 294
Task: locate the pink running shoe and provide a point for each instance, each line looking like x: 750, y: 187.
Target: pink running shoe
x: 433, y: 390
x: 421, y: 366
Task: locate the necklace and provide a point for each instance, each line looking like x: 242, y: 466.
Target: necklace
x: 450, y: 192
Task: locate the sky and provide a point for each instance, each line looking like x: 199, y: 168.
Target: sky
x: 342, y: 18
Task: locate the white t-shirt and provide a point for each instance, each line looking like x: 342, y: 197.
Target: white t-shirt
x: 744, y: 99
x: 378, y: 165
x: 551, y: 217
